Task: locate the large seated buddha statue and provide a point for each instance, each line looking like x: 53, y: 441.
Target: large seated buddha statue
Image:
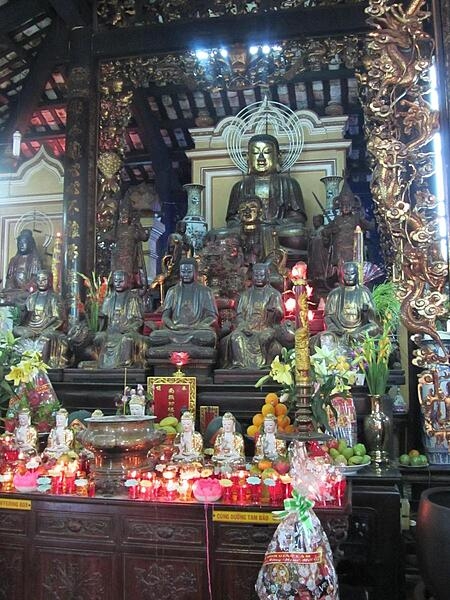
x: 259, y: 333
x: 189, y: 318
x: 281, y: 196
x: 120, y: 342
x: 349, y: 309
x: 44, y: 323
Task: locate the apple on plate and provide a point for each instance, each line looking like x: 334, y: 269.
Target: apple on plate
x: 281, y: 466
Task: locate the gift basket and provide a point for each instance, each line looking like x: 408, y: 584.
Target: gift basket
x: 298, y: 564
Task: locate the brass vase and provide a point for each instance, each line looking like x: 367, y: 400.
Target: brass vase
x: 377, y: 433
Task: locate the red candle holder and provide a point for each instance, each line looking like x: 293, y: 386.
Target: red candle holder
x: 255, y: 489
x: 227, y: 487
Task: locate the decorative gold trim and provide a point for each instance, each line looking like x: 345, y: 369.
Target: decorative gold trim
x: 174, y: 382
x: 399, y: 126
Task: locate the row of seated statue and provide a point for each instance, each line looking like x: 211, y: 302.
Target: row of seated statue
x: 244, y: 264
x: 189, y: 322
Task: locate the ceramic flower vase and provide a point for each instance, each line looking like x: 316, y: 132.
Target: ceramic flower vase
x: 196, y: 226
x: 332, y: 185
x: 377, y: 433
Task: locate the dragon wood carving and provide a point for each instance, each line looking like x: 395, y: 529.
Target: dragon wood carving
x: 400, y: 125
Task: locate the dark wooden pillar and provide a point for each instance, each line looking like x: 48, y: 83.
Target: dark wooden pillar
x: 79, y: 167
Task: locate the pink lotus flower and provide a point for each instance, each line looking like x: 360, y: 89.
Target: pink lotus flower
x: 179, y: 358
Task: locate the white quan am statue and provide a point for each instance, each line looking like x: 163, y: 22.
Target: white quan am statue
x: 188, y: 443
x: 61, y: 438
x: 229, y: 444
x: 25, y: 435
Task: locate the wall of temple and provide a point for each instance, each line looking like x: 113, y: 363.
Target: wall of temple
x: 31, y: 198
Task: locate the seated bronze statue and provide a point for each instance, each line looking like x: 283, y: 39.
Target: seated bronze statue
x: 281, y: 196
x: 349, y: 309
x: 120, y: 343
x: 22, y: 271
x: 259, y: 334
x: 189, y: 318
x: 44, y: 323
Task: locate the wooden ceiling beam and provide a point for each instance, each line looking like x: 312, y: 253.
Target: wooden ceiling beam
x: 16, y: 14
x: 255, y: 28
x: 69, y: 12
x: 51, y: 52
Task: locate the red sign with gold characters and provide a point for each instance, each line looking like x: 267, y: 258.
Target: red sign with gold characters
x: 172, y: 395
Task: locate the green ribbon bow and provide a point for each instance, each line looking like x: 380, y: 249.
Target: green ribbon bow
x: 299, y: 504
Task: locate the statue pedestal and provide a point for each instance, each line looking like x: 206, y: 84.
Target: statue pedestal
x: 233, y: 376
x: 133, y: 376
x: 201, y: 368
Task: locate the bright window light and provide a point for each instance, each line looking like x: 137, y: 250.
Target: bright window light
x: 439, y: 171
x: 201, y: 54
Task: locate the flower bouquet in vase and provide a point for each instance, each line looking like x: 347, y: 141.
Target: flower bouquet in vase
x: 374, y: 362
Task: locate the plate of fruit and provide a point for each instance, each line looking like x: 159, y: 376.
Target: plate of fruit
x: 350, y: 469
x: 412, y: 460
x: 349, y: 459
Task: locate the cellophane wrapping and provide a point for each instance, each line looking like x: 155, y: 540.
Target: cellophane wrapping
x: 298, y: 564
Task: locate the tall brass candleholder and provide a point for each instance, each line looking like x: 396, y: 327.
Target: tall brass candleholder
x: 304, y: 422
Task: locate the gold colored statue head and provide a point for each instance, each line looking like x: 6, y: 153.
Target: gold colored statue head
x: 250, y: 210
x: 263, y: 154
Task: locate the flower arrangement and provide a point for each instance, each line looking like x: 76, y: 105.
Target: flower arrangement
x: 25, y: 384
x: 96, y: 290
x: 376, y: 350
x: 331, y: 373
x: 282, y: 370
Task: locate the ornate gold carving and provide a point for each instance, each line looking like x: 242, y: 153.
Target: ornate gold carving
x: 237, y: 69
x: 399, y: 126
x: 122, y: 13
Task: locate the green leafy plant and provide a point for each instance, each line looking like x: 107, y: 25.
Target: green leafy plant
x: 387, y: 305
x: 96, y: 290
x: 282, y: 371
x: 374, y: 361
x: 333, y: 374
x: 376, y: 350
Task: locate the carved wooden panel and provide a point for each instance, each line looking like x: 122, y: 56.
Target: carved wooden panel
x: 14, y: 521
x: 11, y: 573
x: 165, y: 578
x: 167, y: 532
x: 74, y: 574
x: 236, y: 580
x: 79, y: 525
x: 243, y: 536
